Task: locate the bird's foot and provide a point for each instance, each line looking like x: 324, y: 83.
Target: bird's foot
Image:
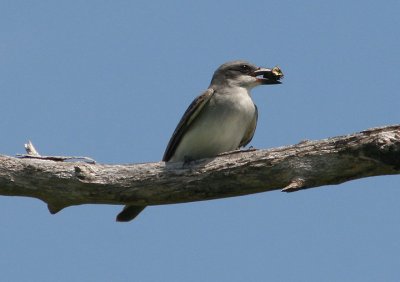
x: 187, y: 161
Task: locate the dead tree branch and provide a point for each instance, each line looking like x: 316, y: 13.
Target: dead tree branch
x: 305, y: 165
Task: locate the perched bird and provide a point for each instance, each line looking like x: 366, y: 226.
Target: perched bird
x: 222, y: 119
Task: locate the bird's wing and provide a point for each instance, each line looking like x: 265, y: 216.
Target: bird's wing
x: 250, y: 131
x: 188, y: 117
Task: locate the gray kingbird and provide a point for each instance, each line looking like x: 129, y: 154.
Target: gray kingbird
x: 222, y: 119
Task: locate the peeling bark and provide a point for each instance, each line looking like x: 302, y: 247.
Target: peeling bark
x: 305, y: 165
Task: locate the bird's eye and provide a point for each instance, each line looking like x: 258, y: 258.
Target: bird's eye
x: 244, y: 68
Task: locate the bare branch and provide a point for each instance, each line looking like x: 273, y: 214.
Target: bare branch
x: 305, y: 165
x: 30, y: 149
x: 32, y: 153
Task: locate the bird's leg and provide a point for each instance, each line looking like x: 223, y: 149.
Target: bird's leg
x: 187, y: 160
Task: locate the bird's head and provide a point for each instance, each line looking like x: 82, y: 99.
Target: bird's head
x: 245, y: 74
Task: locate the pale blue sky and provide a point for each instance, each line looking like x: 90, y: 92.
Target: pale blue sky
x: 110, y: 80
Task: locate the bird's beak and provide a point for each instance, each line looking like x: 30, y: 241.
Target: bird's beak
x: 268, y: 76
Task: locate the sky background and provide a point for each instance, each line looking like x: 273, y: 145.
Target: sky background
x: 111, y: 79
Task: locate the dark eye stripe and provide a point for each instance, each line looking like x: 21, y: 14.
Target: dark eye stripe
x: 244, y: 68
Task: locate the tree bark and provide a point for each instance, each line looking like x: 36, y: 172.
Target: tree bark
x: 305, y: 165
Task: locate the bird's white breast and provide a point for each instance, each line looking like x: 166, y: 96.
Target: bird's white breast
x: 220, y: 127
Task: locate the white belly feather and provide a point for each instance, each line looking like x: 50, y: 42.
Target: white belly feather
x: 220, y: 127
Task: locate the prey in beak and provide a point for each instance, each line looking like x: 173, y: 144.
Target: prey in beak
x: 268, y: 76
